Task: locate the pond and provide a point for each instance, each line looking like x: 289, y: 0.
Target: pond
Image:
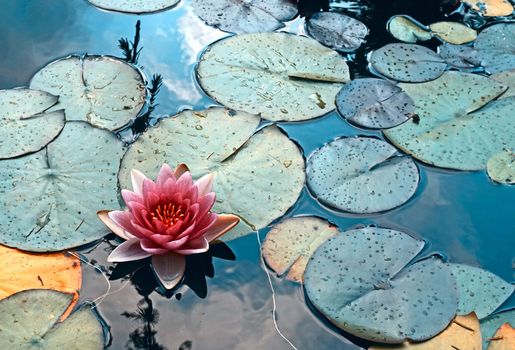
x: 229, y: 298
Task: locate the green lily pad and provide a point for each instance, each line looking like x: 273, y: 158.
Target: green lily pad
x: 361, y: 175
x: 134, y: 6
x: 451, y: 132
x: 501, y: 167
x: 491, y: 324
x: 360, y: 280
x: 103, y: 91
x: 453, y: 32
x: 290, y: 244
x: 407, y: 62
x: 336, y: 30
x: 25, y: 126
x: 496, y: 47
x: 277, y: 75
x: 407, y: 29
x: 506, y: 78
x: 480, y: 291
x: 49, y: 199
x: 30, y: 320
x: 245, y: 16
x: 257, y: 176
x: 374, y: 103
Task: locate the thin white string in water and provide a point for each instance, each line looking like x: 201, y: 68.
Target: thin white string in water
x: 274, y: 309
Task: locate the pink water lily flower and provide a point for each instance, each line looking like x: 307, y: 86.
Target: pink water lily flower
x: 166, y: 219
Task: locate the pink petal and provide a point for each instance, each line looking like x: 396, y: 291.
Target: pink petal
x: 129, y: 196
x: 184, y: 183
x: 194, y: 247
x: 124, y: 220
x: 224, y: 223
x: 181, y: 169
x: 103, y: 215
x: 169, y: 268
x: 176, y: 244
x: 204, y: 184
x: 152, y: 248
x: 205, y: 204
x: 164, y: 174
x: 203, y: 225
x: 137, y: 178
x: 128, y: 251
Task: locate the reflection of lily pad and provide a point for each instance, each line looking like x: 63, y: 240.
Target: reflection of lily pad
x: 290, y: 244
x: 501, y: 167
x: 29, y: 320
x: 104, y: 91
x: 407, y: 62
x: 490, y: 325
x: 491, y: 8
x: 24, y: 125
x: 245, y: 16
x: 257, y: 177
x: 453, y: 32
x: 480, y: 291
x: 361, y: 282
x: 278, y: 75
x: 361, y: 175
x: 134, y: 6
x: 48, y: 200
x: 336, y: 30
x: 374, y: 103
x: 405, y: 28
x: 451, y: 131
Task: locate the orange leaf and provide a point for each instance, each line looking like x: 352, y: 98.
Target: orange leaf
x: 503, y: 339
x: 22, y: 270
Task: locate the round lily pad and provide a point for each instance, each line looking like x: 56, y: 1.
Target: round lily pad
x: 453, y: 32
x: 103, y: 91
x: 257, y: 176
x: 360, y: 280
x: 407, y: 62
x: 374, y: 103
x: 134, y: 6
x: 245, y: 16
x: 29, y: 320
x: 491, y: 8
x: 25, y: 126
x: 501, y: 167
x: 451, y: 132
x: 496, y: 47
x: 336, y: 30
x: 290, y: 244
x: 277, y: 75
x: 407, y: 29
x: 49, y: 200
x: 491, y: 324
x: 480, y: 291
x: 361, y: 175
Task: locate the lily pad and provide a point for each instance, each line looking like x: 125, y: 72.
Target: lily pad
x: 506, y: 78
x: 245, y: 16
x: 460, y: 56
x: 501, y: 167
x: 451, y: 131
x: 277, y: 75
x: 374, y: 103
x: 463, y: 333
x: 361, y: 175
x: 407, y: 29
x: 134, y: 6
x: 481, y: 291
x: 491, y: 8
x: 407, y: 62
x: 25, y: 126
x: 290, y: 244
x: 490, y: 325
x: 360, y: 280
x: 48, y: 200
x: 257, y: 176
x: 29, y: 320
x: 453, y: 32
x: 336, y: 30
x: 104, y: 91
x: 496, y: 47
x: 503, y: 339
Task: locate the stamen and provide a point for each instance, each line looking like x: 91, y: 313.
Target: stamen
x: 168, y: 214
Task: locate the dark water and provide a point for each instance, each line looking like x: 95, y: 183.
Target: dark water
x: 462, y: 215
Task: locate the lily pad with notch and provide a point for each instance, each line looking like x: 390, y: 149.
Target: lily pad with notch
x: 407, y: 29
x: 134, y: 6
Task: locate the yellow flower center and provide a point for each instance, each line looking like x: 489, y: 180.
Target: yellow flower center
x: 169, y: 214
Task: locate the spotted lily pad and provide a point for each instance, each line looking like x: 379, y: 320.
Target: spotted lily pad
x: 407, y: 62
x: 336, y: 30
x: 460, y: 56
x: 481, y: 291
x: 361, y: 281
x: 491, y: 8
x: 49, y: 200
x: 361, y: 175
x: 490, y: 325
x: 25, y: 126
x: 290, y: 244
x: 453, y: 32
x: 104, y: 91
x: 407, y: 29
x: 451, y: 132
x: 29, y: 320
x: 257, y: 176
x: 245, y: 16
x: 374, y: 103
x: 496, y: 47
x: 503, y: 339
x: 506, y: 78
x: 501, y: 167
x: 277, y: 75
x: 135, y: 6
